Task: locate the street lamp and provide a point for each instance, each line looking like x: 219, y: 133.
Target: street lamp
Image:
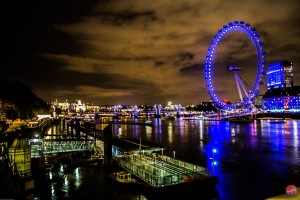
x: 214, y: 151
x: 213, y: 163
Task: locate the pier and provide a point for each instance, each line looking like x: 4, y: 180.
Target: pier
x: 140, y: 158
x: 160, y: 171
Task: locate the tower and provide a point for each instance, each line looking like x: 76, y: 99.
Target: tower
x: 20, y: 157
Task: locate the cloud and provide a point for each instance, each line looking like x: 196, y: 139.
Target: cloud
x: 92, y: 91
x: 155, y: 51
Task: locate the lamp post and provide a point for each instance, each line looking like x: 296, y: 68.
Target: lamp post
x: 213, y: 161
x: 140, y: 148
x: 214, y: 151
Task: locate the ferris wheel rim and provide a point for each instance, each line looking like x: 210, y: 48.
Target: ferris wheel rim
x: 254, y: 37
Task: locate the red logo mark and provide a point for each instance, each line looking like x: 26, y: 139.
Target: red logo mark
x: 291, y: 190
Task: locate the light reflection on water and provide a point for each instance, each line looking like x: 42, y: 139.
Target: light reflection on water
x: 247, y: 153
x: 256, y: 159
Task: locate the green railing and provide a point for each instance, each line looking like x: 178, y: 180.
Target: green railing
x: 40, y: 148
x: 160, y: 171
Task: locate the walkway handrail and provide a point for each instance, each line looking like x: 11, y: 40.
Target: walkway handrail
x: 39, y: 149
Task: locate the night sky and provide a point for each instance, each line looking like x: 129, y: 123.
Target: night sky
x: 132, y: 51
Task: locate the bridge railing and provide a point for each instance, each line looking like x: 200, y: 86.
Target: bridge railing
x: 37, y: 150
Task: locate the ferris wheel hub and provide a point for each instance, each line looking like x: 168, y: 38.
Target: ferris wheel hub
x: 234, y: 68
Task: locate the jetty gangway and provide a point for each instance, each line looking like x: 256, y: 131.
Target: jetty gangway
x: 41, y: 147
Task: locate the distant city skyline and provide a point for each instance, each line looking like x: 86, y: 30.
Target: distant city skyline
x: 79, y: 102
x: 133, y: 52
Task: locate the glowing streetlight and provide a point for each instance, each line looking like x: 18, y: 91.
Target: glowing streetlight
x: 213, y: 163
x: 174, y: 154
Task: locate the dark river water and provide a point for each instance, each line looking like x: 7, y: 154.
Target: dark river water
x: 255, y: 160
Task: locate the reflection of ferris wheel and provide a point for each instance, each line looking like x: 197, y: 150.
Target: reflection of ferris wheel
x: 234, y: 66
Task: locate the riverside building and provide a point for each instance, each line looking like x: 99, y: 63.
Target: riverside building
x: 281, y: 95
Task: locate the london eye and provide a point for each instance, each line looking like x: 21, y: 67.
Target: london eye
x: 234, y: 66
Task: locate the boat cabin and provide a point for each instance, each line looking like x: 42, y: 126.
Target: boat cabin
x: 123, y: 177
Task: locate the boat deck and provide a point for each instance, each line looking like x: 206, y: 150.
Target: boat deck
x: 160, y: 171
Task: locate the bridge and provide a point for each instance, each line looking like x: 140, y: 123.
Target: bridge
x: 40, y: 147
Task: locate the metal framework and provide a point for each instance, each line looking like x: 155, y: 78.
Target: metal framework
x: 40, y: 147
x: 160, y: 171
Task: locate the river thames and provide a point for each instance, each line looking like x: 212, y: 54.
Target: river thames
x: 256, y: 160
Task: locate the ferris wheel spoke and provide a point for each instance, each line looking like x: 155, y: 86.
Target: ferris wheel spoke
x: 238, y: 85
x: 241, y: 83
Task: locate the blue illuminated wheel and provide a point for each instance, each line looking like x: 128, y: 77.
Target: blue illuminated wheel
x: 234, y: 66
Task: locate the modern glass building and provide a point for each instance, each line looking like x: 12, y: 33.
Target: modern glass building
x: 281, y: 94
x: 280, y: 75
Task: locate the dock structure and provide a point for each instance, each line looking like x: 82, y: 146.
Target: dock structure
x: 139, y: 158
x: 155, y: 170
x: 159, y: 171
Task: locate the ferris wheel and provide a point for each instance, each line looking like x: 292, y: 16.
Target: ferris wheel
x: 234, y: 66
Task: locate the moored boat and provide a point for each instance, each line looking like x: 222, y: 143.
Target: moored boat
x: 148, y: 122
x: 123, y: 177
x: 241, y: 119
x: 96, y: 159
x: 160, y: 174
x: 277, y: 122
x: 124, y: 181
x: 97, y: 156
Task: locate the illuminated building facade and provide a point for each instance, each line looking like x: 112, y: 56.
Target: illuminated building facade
x: 282, y: 99
x: 77, y: 106
x: 281, y: 95
x: 280, y: 75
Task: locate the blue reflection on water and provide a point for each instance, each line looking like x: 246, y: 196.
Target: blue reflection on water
x: 220, y: 133
x: 257, y: 159
x: 263, y: 155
